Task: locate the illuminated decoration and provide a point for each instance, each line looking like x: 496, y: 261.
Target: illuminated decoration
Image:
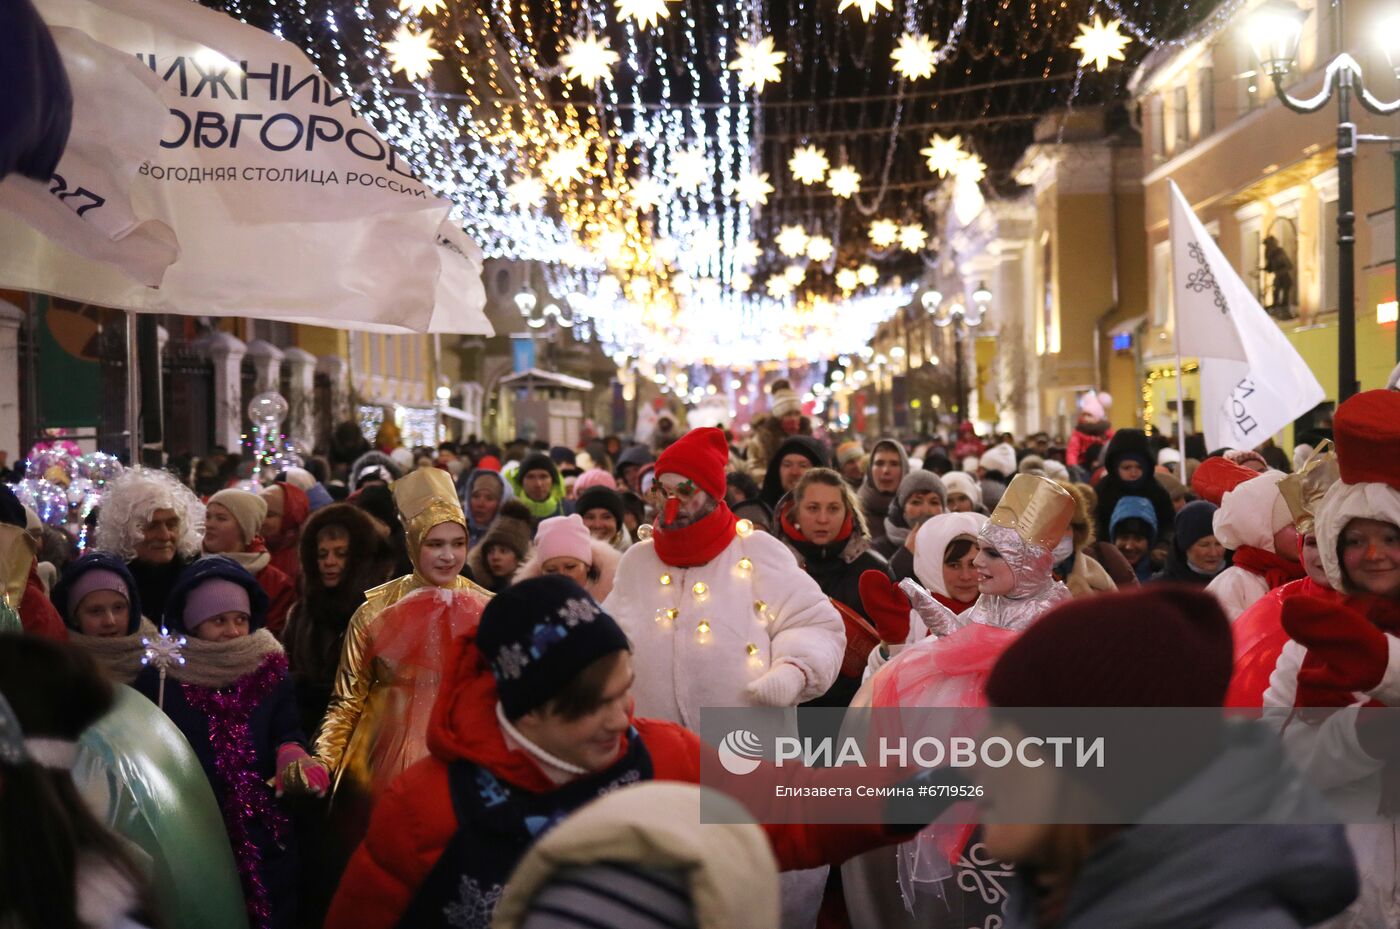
x: 741, y: 282
x: 525, y: 192
x: 819, y: 248
x: 1099, y: 42
x: 915, y: 56
x: 743, y: 528
x: 844, y: 181
x: 748, y: 252
x: 808, y: 164
x: 847, y: 280
x: 412, y: 52
x: 753, y: 653
x: 564, y: 165
x: 646, y: 12
x: 745, y: 565
x: 912, y: 237
x: 690, y: 168
x: 944, y: 155
x: 646, y: 193
x: 752, y: 188
x: 778, y: 286
x: 971, y: 169
x: 666, y: 580
x: 795, y: 274
x: 700, y: 591
x: 866, y: 8
x: 757, y: 63
x: 702, y: 630
x: 867, y: 274
x: 667, y: 614
x: 419, y: 7
x: 588, y: 60
x: 884, y: 233
x: 792, y: 241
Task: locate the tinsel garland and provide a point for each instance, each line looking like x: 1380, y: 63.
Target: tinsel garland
x: 246, y: 797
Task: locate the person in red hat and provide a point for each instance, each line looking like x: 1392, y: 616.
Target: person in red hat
x: 1347, y: 653
x: 718, y: 614
x: 1255, y: 523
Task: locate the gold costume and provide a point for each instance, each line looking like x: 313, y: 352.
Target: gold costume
x: 363, y: 740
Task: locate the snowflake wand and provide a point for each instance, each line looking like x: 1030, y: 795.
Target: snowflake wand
x: 163, y: 652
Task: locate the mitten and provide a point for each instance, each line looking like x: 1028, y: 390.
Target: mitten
x: 299, y: 773
x: 779, y: 686
x: 1346, y: 652
x: 886, y: 605
x: 938, y: 619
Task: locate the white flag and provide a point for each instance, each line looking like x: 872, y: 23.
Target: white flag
x: 284, y: 203
x: 1253, y: 382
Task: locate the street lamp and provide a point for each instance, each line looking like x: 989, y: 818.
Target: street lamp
x: 962, y: 319
x: 1275, y: 30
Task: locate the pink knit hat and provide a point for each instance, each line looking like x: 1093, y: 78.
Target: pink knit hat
x: 213, y: 597
x: 564, y: 537
x: 595, y: 477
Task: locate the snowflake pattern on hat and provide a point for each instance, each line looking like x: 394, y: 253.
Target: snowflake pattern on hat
x: 578, y: 610
x: 511, y: 661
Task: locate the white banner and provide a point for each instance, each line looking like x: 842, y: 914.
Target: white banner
x: 1253, y: 382
x: 283, y: 203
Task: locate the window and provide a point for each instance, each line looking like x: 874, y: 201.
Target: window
x: 1181, y: 111
x: 1159, y: 127
x: 1161, y: 283
x: 1205, y: 102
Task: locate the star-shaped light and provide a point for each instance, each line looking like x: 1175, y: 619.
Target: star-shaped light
x: 884, y: 233
x: 795, y: 274
x: 912, y: 237
x: 752, y: 188
x: 525, y: 192
x: 757, y: 63
x: 867, y: 274
x: 843, y: 181
x: 419, y: 7
x: 588, y: 60
x: 778, y: 286
x: 645, y: 12
x: 808, y: 164
x: 646, y: 193
x: 690, y: 167
x: 748, y: 252
x: 972, y: 168
x: 866, y: 8
x: 792, y: 241
x: 564, y: 165
x: 412, y: 52
x: 819, y: 248
x: 943, y: 154
x: 914, y: 56
x: 741, y: 282
x: 847, y: 280
x: 1100, y: 42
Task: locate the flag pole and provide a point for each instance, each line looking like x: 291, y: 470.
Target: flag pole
x: 1180, y: 392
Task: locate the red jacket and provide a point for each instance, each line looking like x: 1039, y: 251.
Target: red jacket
x: 1259, y: 638
x: 413, y: 821
x: 281, y: 593
x: 36, y: 614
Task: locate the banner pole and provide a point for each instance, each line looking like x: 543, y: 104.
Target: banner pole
x: 133, y: 392
x: 1180, y: 394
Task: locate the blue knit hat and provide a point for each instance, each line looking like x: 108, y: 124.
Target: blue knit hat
x: 1133, y: 507
x: 539, y: 635
x: 1194, y: 522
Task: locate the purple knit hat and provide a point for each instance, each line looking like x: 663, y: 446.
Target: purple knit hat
x: 213, y: 597
x: 92, y: 581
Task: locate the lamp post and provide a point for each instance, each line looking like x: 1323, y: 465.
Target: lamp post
x: 1275, y: 30
x: 962, y: 319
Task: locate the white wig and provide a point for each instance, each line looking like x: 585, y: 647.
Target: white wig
x: 130, y: 502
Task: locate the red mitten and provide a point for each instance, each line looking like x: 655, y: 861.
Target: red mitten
x: 886, y: 605
x: 1346, y: 652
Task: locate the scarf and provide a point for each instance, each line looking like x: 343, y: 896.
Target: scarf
x: 254, y: 559
x: 957, y: 606
x: 699, y: 543
x: 875, y: 503
x: 118, y: 656
x: 897, y: 534
x: 811, y: 551
x: 246, y: 798
x: 1274, y: 569
x: 215, y: 665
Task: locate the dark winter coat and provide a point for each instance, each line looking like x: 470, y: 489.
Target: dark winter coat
x: 154, y: 583
x: 876, y: 503
x: 804, y: 445
x: 1131, y: 443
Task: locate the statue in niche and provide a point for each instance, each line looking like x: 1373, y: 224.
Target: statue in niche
x: 1280, y: 268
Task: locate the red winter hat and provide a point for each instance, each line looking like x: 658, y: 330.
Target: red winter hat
x: 1167, y: 645
x: 1366, y: 430
x: 887, y: 606
x: 701, y: 455
x: 1218, y: 476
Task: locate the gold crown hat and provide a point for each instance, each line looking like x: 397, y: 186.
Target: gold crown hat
x: 1035, y: 508
x: 1303, y: 490
x: 426, y: 497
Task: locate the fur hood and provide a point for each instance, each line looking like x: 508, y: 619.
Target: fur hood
x: 605, y: 559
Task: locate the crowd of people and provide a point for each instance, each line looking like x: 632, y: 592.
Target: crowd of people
x: 446, y: 686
